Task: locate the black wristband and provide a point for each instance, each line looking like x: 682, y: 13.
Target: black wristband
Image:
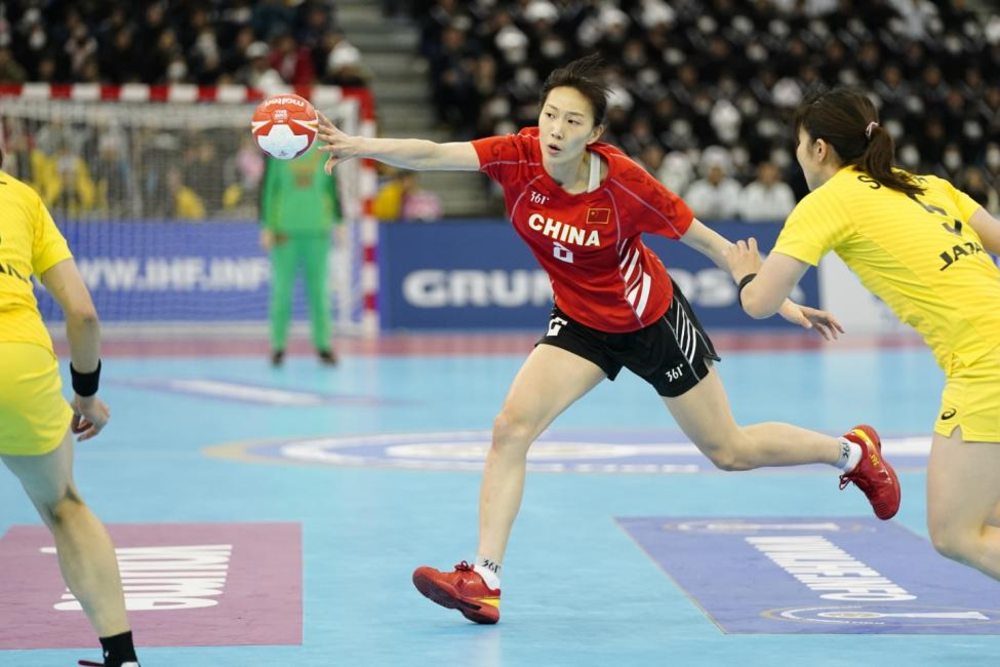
x: 743, y: 283
x: 85, y: 384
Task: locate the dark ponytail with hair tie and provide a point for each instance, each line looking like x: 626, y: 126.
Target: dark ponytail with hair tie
x: 835, y: 116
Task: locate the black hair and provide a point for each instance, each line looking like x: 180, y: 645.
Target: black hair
x: 847, y: 120
x: 585, y: 75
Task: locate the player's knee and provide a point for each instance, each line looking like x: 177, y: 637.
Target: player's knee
x: 726, y: 455
x: 62, y: 510
x: 949, y: 541
x: 511, y: 432
x: 728, y: 461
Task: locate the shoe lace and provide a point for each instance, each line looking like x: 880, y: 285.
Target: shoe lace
x: 845, y: 480
x: 860, y: 481
x: 463, y: 567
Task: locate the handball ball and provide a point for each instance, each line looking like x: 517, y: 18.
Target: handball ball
x: 284, y: 126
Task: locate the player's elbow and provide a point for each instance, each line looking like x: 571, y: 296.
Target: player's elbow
x: 82, y: 314
x: 757, y: 305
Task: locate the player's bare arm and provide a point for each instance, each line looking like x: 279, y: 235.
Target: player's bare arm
x: 416, y: 154
x: 64, y: 282
x: 766, y: 293
x: 719, y: 249
x: 988, y: 229
x: 708, y: 242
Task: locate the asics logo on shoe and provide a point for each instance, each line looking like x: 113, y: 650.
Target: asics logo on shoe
x: 948, y: 414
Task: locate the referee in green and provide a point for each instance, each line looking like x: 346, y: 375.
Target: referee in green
x: 298, y: 208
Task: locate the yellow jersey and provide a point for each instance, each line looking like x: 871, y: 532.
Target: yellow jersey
x: 918, y: 254
x: 30, y: 244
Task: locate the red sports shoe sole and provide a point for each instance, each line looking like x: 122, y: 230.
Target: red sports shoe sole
x: 444, y: 594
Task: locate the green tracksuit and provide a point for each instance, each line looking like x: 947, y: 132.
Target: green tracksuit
x: 299, y: 206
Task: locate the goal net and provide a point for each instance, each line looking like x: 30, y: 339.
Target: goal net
x: 157, y: 191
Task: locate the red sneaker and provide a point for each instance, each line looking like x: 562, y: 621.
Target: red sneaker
x: 873, y: 474
x: 463, y: 589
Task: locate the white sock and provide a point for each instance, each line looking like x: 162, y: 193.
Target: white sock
x: 489, y: 570
x: 850, y: 455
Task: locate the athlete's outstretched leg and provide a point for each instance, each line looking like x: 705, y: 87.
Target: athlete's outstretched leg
x: 703, y: 413
x: 963, y: 492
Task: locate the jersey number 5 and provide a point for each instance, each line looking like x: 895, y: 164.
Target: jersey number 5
x: 956, y: 229
x: 958, y: 250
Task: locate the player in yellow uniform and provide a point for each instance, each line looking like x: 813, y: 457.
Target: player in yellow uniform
x: 923, y: 247
x: 36, y: 423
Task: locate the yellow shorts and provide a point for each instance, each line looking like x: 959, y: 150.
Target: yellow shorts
x: 34, y: 415
x: 971, y: 399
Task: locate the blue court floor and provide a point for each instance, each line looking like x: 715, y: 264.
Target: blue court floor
x: 629, y: 549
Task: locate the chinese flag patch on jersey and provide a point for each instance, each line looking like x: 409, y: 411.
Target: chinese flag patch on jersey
x: 598, y: 216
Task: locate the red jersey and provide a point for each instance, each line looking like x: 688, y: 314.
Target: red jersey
x: 589, y: 243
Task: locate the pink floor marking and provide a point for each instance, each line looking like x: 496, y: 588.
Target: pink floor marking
x: 185, y: 585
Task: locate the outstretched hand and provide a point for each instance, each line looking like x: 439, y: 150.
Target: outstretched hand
x: 339, y: 145
x: 743, y: 258
x: 812, y: 318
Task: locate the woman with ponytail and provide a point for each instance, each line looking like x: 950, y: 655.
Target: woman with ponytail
x: 924, y: 248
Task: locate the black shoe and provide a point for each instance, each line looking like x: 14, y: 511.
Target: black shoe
x: 328, y: 357
x: 277, y: 358
x: 88, y: 663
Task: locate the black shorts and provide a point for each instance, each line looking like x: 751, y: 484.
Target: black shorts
x: 673, y: 354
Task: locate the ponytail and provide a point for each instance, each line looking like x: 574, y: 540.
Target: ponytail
x: 848, y: 121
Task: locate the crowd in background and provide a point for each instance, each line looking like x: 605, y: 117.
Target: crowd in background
x: 118, y: 168
x: 250, y: 42
x: 701, y: 89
